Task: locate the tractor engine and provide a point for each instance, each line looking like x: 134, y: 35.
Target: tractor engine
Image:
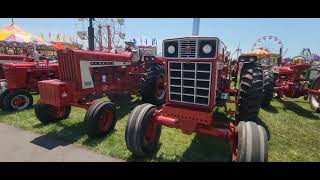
x: 195, y: 79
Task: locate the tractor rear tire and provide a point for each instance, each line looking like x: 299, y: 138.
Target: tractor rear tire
x: 11, y: 100
x: 154, y: 90
x: 48, y: 114
x: 314, y: 101
x: 100, y: 119
x: 252, y: 143
x: 138, y: 141
x: 250, y: 92
x: 268, y: 88
x: 3, y: 94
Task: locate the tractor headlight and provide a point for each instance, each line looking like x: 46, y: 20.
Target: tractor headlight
x: 171, y: 49
x: 207, y: 48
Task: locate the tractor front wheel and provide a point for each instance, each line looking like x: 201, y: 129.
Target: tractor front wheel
x: 100, y: 119
x: 154, y: 91
x: 251, y: 142
x: 142, y: 132
x: 314, y: 100
x: 17, y: 100
x: 2, y: 95
x: 49, y: 114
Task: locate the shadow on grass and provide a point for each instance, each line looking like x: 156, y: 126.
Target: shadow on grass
x: 124, y: 105
x: 270, y: 109
x: 206, y: 148
x: 263, y: 124
x: 92, y: 142
x: 66, y: 136
x: 133, y: 158
x: 3, y: 113
x: 298, y: 110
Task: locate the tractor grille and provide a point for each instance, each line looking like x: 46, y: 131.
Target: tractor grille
x: 188, y: 49
x: 189, y: 82
x: 67, y: 65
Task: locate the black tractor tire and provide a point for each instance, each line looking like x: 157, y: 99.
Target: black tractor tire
x: 2, y: 95
x: 149, y: 91
x: 8, y: 100
x: 45, y: 114
x: 100, y: 119
x: 250, y: 92
x: 268, y: 88
x: 252, y: 143
x: 136, y: 128
x: 312, y: 99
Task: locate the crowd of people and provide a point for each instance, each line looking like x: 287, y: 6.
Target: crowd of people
x: 27, y: 49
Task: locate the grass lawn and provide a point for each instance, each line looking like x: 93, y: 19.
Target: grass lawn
x: 293, y: 127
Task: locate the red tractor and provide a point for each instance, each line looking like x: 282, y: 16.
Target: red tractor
x: 22, y: 78
x: 86, y: 76
x: 290, y: 82
x: 198, y: 80
x: 6, y: 58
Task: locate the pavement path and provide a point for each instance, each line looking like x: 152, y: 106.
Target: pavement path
x: 18, y: 145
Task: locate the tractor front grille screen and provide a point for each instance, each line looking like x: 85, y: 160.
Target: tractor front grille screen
x: 188, y: 49
x: 189, y: 82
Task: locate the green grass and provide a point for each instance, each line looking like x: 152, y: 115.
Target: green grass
x: 293, y: 127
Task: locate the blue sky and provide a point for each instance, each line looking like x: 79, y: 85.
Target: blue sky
x: 295, y: 33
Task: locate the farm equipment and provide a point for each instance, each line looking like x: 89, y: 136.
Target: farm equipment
x: 6, y: 58
x: 290, y: 81
x: 198, y: 80
x: 22, y: 78
x: 86, y: 76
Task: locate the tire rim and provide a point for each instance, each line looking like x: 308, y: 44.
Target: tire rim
x: 160, y: 90
x: 20, y: 102
x: 315, y: 100
x: 105, y: 121
x: 150, y: 133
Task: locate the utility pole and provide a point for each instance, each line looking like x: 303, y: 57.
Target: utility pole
x: 196, y: 27
x: 280, y: 57
x: 91, y: 35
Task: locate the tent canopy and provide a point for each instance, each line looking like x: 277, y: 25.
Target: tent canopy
x: 14, y: 33
x: 260, y: 53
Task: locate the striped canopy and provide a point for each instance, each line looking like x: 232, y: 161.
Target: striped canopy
x: 14, y: 33
x: 260, y: 53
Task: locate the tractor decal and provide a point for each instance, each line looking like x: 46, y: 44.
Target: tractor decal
x: 85, y: 65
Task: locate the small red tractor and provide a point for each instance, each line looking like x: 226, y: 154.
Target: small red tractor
x: 7, y: 58
x: 86, y: 76
x: 290, y: 82
x: 198, y: 79
x: 21, y: 79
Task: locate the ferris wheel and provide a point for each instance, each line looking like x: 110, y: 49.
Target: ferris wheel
x: 103, y: 27
x: 271, y: 44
